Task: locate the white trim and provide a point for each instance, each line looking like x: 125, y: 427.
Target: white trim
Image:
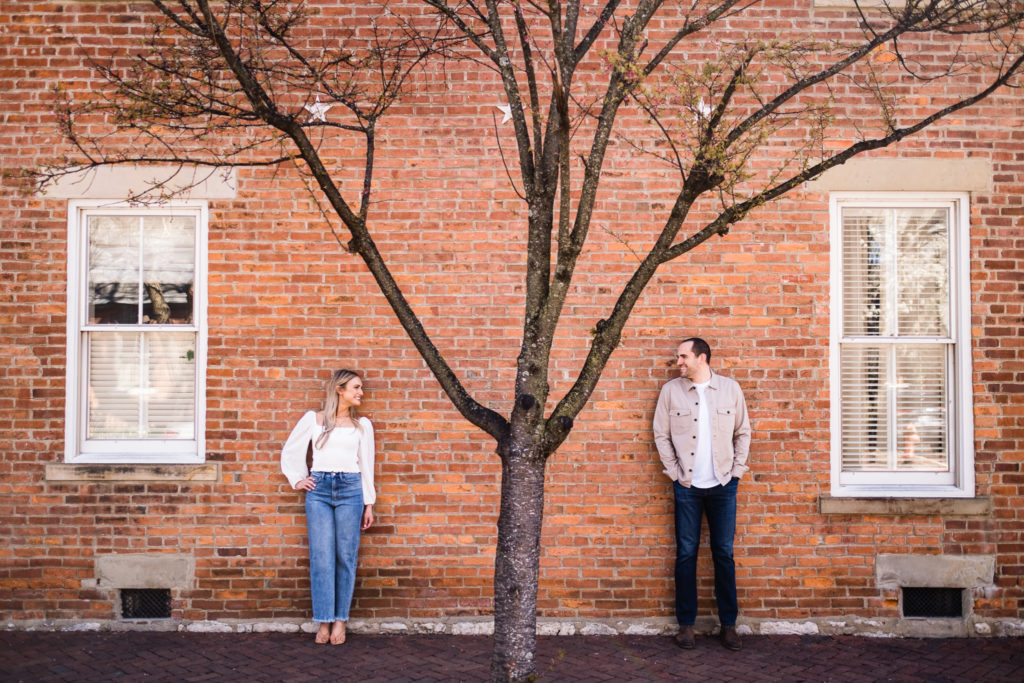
x: 911, y: 485
x: 130, y: 451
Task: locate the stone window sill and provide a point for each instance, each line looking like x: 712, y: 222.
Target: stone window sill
x: 945, y: 507
x: 120, y: 473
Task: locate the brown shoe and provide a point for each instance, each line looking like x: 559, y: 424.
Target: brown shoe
x: 685, y: 638
x: 730, y: 639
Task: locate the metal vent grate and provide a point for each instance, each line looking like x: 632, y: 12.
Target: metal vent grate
x: 146, y: 603
x: 933, y: 602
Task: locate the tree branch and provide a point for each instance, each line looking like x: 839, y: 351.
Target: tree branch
x: 484, y: 418
x: 738, y: 211
x: 693, y: 27
x: 595, y: 31
x: 607, y: 332
x: 570, y: 243
x: 476, y: 38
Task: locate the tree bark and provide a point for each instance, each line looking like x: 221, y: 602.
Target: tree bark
x: 161, y: 310
x: 517, y: 563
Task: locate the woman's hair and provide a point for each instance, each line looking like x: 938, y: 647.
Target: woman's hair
x: 337, y: 380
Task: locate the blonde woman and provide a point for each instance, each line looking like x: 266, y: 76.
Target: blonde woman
x: 339, y: 496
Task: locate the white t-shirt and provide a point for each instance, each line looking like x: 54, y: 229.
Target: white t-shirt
x: 704, y: 464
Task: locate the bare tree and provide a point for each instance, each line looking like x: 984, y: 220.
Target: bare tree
x: 737, y: 118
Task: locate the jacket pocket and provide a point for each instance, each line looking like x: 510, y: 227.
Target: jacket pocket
x: 682, y: 420
x: 725, y: 422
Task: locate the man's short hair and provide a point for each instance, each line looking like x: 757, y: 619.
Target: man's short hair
x: 699, y: 346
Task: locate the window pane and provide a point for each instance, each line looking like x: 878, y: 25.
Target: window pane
x: 168, y: 268
x: 865, y: 406
x: 922, y: 423
x: 896, y: 272
x: 114, y: 386
x: 113, y: 269
x: 141, y: 386
x: 171, y: 374
x: 866, y: 273
x: 923, y: 272
x: 894, y: 407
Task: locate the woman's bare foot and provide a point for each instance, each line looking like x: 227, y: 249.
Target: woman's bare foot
x: 338, y: 633
x: 323, y: 634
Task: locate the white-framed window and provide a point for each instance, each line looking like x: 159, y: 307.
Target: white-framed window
x: 136, y: 369
x: 902, y: 415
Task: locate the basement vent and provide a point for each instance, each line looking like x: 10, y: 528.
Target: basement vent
x: 146, y: 603
x: 933, y: 602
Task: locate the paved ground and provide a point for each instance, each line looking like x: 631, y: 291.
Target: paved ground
x: 151, y: 656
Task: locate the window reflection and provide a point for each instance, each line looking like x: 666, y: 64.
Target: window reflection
x: 141, y: 269
x: 896, y: 272
x: 113, y: 270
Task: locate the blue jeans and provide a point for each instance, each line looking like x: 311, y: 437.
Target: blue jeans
x: 334, y: 513
x: 719, y: 505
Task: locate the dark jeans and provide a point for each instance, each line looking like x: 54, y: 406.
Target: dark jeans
x: 719, y: 505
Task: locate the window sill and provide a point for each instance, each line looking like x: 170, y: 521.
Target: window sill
x: 129, y: 473
x: 946, y: 507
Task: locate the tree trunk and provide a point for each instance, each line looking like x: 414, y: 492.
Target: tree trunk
x: 517, y: 564
x: 161, y: 310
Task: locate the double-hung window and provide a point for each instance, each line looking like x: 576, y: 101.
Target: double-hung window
x: 136, y: 333
x: 901, y: 389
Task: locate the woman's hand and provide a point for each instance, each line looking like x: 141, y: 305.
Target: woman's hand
x: 306, y: 484
x: 367, y: 517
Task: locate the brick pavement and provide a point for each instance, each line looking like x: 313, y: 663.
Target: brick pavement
x: 154, y: 656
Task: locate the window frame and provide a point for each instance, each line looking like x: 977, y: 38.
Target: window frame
x: 132, y: 451
x: 959, y: 375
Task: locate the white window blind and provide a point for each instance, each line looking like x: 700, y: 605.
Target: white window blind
x: 894, y: 407
x: 897, y: 346
x: 896, y: 272
x: 141, y: 386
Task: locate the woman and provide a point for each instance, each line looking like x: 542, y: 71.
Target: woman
x: 339, y: 496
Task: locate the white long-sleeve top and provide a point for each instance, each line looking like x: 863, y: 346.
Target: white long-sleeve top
x: 347, y: 450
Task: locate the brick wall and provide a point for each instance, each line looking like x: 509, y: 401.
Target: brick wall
x: 286, y: 303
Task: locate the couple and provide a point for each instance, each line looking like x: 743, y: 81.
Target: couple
x: 701, y: 430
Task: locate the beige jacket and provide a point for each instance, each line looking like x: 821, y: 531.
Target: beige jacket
x: 675, y: 428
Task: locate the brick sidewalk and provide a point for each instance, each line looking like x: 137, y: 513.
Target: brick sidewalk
x: 153, y: 656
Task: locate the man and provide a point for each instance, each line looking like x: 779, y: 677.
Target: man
x: 702, y: 433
